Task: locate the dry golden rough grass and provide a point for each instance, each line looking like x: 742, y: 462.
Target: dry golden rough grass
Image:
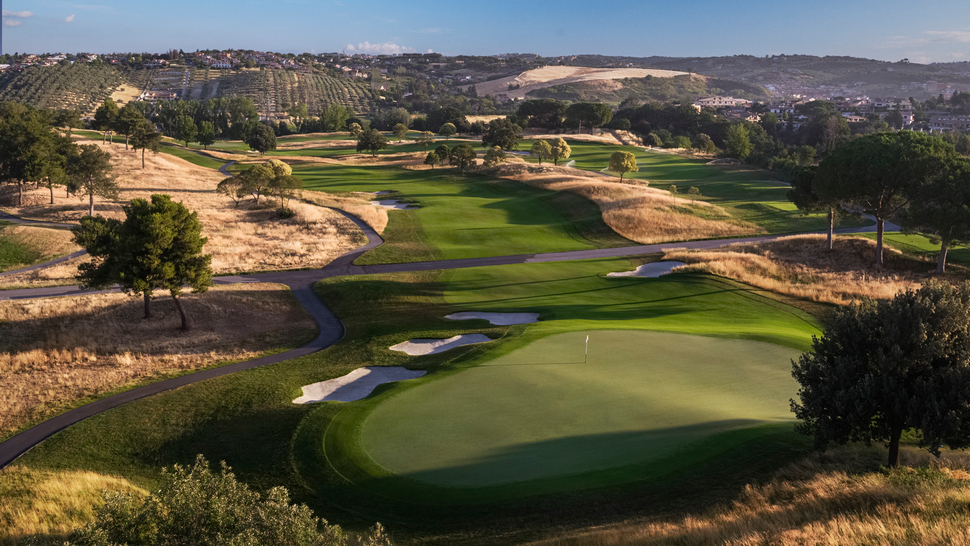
x: 240, y: 239
x: 548, y: 76
x: 48, y: 243
x: 631, y: 208
x: 800, y: 266
x: 51, y: 503
x: 825, y: 499
x: 359, y: 206
x: 58, y: 350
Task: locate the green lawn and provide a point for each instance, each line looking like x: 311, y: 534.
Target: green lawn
x: 194, y: 157
x: 393, y: 148
x: 467, y: 216
x: 248, y: 420
x: 922, y: 246
x: 15, y: 254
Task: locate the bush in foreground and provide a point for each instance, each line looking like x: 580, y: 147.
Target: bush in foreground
x: 197, y: 506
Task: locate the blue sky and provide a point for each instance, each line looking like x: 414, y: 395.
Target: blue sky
x: 932, y: 30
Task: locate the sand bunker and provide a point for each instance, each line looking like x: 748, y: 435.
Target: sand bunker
x: 650, y: 270
x: 356, y: 385
x: 419, y: 347
x: 498, y: 319
x: 392, y: 204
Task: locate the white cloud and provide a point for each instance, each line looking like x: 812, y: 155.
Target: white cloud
x: 378, y: 49
x: 21, y: 14
x: 70, y: 18
x: 931, y: 37
x: 430, y: 51
x: 12, y: 23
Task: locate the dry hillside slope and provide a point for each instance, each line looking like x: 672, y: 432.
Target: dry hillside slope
x: 548, y: 76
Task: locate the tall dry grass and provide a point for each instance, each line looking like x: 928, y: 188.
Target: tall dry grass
x: 51, y: 504
x: 800, y: 266
x: 633, y: 209
x: 56, y: 351
x: 359, y: 206
x: 240, y: 239
x: 832, y: 499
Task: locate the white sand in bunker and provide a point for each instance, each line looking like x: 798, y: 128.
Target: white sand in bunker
x: 356, y: 385
x: 420, y: 347
x: 651, y: 270
x: 392, y: 204
x: 498, y: 319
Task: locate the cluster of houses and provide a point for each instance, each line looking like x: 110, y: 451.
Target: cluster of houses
x: 229, y: 59
x: 855, y: 110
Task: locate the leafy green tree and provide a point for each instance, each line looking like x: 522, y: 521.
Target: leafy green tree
x: 372, y: 141
x: 195, y: 505
x: 298, y: 112
x: 623, y: 162
x: 27, y: 146
x: 279, y: 167
x: 105, y: 118
x: 807, y: 198
x: 702, y: 142
x: 400, y: 131
x: 284, y: 188
x: 355, y: 130
x: 560, y: 150
x: 432, y: 159
x: 447, y: 114
x: 738, y: 142
x: 256, y: 181
x: 185, y: 129
x: 541, y: 150
x: 157, y: 247
x: 494, y: 156
x: 69, y: 119
x: 879, y: 174
x: 262, y: 138
x: 234, y: 188
x: 128, y: 118
x: 207, y: 134
x: 502, y: 133
x: 682, y: 142
x: 443, y: 152
x: 89, y: 171
x: 885, y: 367
x: 334, y: 118
x: 447, y: 130
x: 942, y: 208
x: 145, y: 137
x: 589, y: 114
x: 462, y: 156
x: 425, y: 138
x: 653, y: 140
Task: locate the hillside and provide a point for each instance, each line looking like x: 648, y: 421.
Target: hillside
x: 518, y: 87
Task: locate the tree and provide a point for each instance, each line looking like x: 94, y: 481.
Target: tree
x: 942, y: 208
x: 372, y: 141
x: 447, y: 130
x: 262, y: 138
x: 590, y: 114
x: 256, y: 180
x: 129, y: 118
x: 738, y: 142
x: 185, y: 129
x: 560, y: 150
x: 623, y: 162
x: 443, y: 152
x: 494, y: 156
x: 145, y: 137
x: 400, y: 131
x: 195, y: 505
x: 432, y: 159
x: 284, y: 188
x: 157, y: 247
x: 878, y: 174
x: 69, y: 119
x: 425, y: 138
x: 298, y: 112
x: 462, y: 156
x: 355, y: 130
x: 207, y: 134
x: 234, y: 188
x: 334, y: 118
x: 89, y: 171
x: 502, y: 133
x: 279, y: 167
x: 807, y: 198
x: 105, y: 118
x: 541, y: 150
x: 702, y: 142
x: 884, y: 367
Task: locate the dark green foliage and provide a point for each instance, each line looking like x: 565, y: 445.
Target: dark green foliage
x: 547, y: 113
x: 157, y: 247
x: 145, y: 137
x: 448, y: 114
x: 285, y: 188
x: 806, y: 197
x: 737, y: 144
x: 385, y: 120
x: 128, y: 118
x: 372, y: 141
x: 462, y: 156
x: 942, y: 208
x: 262, y: 138
x: 885, y: 367
x: 623, y: 162
x: 587, y: 114
x: 703, y: 143
x: 89, y: 173
x: 207, y: 134
x: 198, y: 506
x: 106, y: 116
x: 185, y: 129
x: 502, y: 133
x: 448, y: 130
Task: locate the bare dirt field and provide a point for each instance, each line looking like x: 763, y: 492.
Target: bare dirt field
x: 800, y: 266
x: 241, y: 239
x: 632, y: 209
x: 549, y: 76
x: 58, y: 350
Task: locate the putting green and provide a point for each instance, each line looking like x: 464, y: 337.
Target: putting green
x: 541, y: 413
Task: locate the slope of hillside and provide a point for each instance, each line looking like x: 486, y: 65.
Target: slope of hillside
x: 549, y: 76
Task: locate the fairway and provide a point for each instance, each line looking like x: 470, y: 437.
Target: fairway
x: 541, y: 412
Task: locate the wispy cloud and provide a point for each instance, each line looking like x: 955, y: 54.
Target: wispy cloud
x: 70, y: 18
x: 930, y: 37
x: 378, y: 49
x: 12, y: 23
x: 21, y: 14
